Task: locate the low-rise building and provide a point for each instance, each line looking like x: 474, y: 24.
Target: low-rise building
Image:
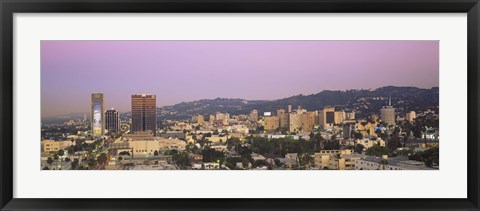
x: 385, y: 163
x: 336, y: 159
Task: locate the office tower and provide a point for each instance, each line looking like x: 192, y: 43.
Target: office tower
x: 338, y: 117
x: 387, y: 113
x: 317, y: 119
x: 289, y: 108
x: 198, y: 119
x: 308, y: 121
x: 271, y: 123
x: 97, y: 118
x: 326, y: 118
x: 282, y: 118
x: 144, y: 113
x: 254, y: 115
x: 411, y: 116
x: 112, y: 121
x: 295, y: 122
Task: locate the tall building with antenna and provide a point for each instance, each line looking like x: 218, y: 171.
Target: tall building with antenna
x: 387, y: 113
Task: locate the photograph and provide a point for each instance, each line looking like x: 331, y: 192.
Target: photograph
x: 239, y: 105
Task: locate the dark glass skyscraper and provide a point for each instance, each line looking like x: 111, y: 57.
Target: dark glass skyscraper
x: 144, y: 113
x: 112, y: 121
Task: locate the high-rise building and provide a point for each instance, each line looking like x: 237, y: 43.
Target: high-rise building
x: 411, y: 116
x: 326, y: 118
x: 289, y: 108
x: 317, y: 119
x: 198, y: 119
x: 254, y: 115
x: 271, y: 123
x: 338, y: 117
x: 387, y: 113
x: 283, y: 118
x: 221, y: 116
x: 144, y: 113
x: 295, y: 122
x: 308, y: 121
x: 97, y: 118
x: 112, y: 121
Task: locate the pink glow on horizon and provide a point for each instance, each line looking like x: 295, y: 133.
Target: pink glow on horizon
x: 179, y: 71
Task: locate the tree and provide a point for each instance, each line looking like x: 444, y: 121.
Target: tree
x: 278, y: 163
x: 55, y: 157
x: 338, y: 157
x: 258, y: 163
x: 67, y: 159
x: 357, y: 135
x: 377, y: 150
x: 393, y: 143
x: 306, y: 160
x: 102, y: 158
x: 74, y: 163
x: 50, y: 161
x: 359, y: 148
x: 430, y: 157
x: 124, y: 153
x: 60, y: 153
x: 155, y: 153
x: 384, y: 162
x: 181, y: 159
x: 331, y: 145
x: 91, y: 163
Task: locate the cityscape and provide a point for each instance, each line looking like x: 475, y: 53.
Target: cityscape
x: 394, y: 126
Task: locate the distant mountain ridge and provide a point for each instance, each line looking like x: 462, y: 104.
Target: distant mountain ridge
x: 363, y: 101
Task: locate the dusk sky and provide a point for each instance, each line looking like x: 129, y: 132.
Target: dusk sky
x: 180, y: 71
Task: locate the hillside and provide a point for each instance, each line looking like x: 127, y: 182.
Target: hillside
x: 364, y: 102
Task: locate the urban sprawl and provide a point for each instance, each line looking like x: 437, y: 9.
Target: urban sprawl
x: 288, y: 138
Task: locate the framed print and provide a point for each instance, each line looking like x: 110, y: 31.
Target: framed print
x: 250, y: 105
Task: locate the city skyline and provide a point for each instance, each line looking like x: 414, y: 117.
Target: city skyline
x: 72, y: 70
x: 129, y: 109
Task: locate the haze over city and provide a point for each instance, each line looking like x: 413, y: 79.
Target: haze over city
x: 179, y: 71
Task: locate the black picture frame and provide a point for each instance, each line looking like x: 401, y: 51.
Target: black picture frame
x: 9, y: 7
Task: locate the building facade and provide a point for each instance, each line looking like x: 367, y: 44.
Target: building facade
x: 112, y: 121
x: 271, y: 123
x: 308, y: 121
x: 326, y: 118
x: 295, y: 122
x: 410, y: 116
x: 144, y: 113
x: 387, y: 113
x: 254, y: 115
x: 97, y: 118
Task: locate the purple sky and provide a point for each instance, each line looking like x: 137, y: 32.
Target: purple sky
x: 178, y: 71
